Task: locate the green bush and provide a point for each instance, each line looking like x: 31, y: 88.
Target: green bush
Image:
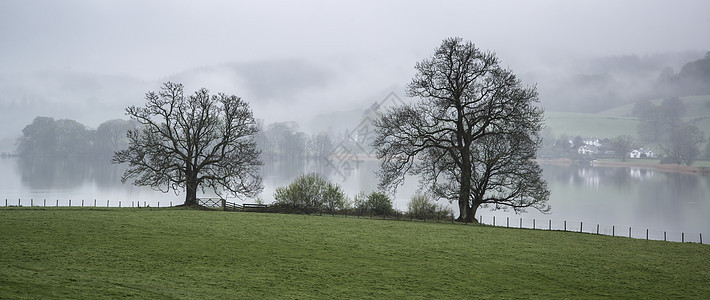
x: 375, y: 203
x: 422, y: 208
x: 309, y: 193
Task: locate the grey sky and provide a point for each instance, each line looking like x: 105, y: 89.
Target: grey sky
x: 151, y: 39
x: 357, y: 47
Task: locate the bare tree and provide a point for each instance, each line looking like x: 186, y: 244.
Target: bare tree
x: 193, y: 142
x: 683, y: 146
x: 471, y: 137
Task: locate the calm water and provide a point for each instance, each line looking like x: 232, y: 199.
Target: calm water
x: 614, y: 198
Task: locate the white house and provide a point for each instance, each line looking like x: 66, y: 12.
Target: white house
x: 592, y: 141
x: 588, y: 150
x: 641, y: 153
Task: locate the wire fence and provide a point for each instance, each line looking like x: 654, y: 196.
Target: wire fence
x: 594, y: 228
x: 522, y: 223
x: 84, y: 203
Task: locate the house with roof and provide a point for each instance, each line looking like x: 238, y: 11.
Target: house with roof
x: 641, y: 153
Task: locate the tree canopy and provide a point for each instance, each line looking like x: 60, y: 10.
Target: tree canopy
x: 193, y: 142
x: 471, y: 134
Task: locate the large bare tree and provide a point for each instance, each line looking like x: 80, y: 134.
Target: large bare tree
x: 471, y: 135
x: 193, y: 142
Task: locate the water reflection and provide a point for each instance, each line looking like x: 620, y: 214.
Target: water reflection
x: 625, y: 197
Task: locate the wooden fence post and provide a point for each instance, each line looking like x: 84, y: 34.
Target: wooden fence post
x: 647, y: 234
x: 550, y: 228
x: 580, y: 226
x: 32, y: 202
x: 521, y: 223
x: 701, y: 238
x: 507, y: 221
x: 613, y: 228
x: 224, y: 204
x: 57, y: 205
x: 664, y: 236
x: 107, y: 203
x: 69, y: 202
x: 19, y: 203
x: 597, y: 228
x: 45, y: 202
x: 534, y: 227
x: 682, y: 237
x: 494, y: 220
x: 565, y: 225
x: 629, y: 232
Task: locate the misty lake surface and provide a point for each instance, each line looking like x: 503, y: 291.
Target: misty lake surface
x: 613, y: 198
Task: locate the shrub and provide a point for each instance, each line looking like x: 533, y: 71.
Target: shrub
x: 421, y: 207
x: 379, y: 204
x: 309, y: 193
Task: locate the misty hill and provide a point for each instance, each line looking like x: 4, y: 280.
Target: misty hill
x: 595, y: 85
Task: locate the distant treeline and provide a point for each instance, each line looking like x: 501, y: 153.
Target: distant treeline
x: 283, y: 141
x: 47, y: 139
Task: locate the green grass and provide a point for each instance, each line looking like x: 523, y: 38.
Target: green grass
x: 618, y: 121
x: 695, y: 106
x: 172, y: 253
x: 590, y: 125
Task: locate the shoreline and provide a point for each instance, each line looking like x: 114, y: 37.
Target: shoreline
x: 700, y: 170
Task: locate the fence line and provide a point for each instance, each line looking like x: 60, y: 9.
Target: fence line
x: 84, y: 203
x: 600, y: 229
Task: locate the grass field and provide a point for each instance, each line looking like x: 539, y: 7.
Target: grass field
x: 590, y: 125
x: 175, y: 253
x: 618, y: 121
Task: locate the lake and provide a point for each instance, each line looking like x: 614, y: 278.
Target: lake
x: 614, y: 198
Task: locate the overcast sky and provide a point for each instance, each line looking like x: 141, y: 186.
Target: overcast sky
x: 358, y: 44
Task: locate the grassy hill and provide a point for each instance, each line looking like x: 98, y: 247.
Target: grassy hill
x: 172, y: 253
x: 618, y: 121
x: 590, y: 125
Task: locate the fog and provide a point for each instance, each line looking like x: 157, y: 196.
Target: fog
x: 296, y: 60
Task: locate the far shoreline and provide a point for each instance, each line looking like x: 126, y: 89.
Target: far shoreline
x: 646, y: 164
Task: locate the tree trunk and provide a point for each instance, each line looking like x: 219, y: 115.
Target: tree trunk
x: 472, y: 212
x: 191, y: 195
x: 465, y: 190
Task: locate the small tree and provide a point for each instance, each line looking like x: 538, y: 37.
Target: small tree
x: 360, y: 203
x: 622, y: 145
x: 193, y: 142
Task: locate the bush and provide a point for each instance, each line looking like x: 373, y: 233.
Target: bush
x: 375, y: 203
x: 422, y: 208
x: 309, y: 193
